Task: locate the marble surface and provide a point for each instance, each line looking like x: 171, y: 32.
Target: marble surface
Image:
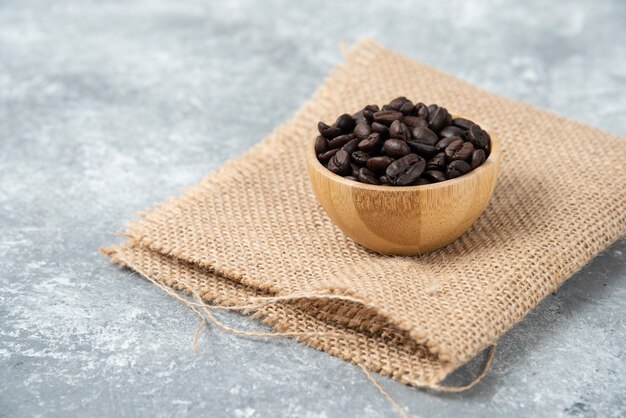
x: 107, y: 107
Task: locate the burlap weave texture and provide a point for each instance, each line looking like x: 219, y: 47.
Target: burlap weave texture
x: 253, y: 227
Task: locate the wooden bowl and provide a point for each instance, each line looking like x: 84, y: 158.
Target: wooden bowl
x: 407, y: 220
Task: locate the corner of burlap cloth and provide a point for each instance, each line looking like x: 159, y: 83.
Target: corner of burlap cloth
x: 252, y: 229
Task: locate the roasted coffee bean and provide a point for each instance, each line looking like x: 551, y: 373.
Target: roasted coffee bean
x: 345, y: 123
x: 360, y: 157
x: 340, y: 163
x: 449, y: 131
x: 397, y: 103
x: 421, y: 110
x: 406, y: 170
x: 434, y: 175
x: 478, y: 137
x: 423, y: 150
x: 396, y: 148
x: 395, y: 130
x: 371, y: 143
x: 438, y: 162
x: 399, y: 130
x: 325, y: 157
x: 321, y: 146
x: 340, y: 141
x: 352, y: 145
x: 386, y: 117
x: 368, y: 112
x: 457, y: 168
x: 401, y: 143
x: 359, y: 118
x: 328, y: 132
x: 362, y: 130
x: 452, y: 148
x: 354, y: 170
x: 379, y: 164
x: 407, y: 109
x: 406, y: 132
x: 462, y: 123
x: 443, y: 144
x: 380, y: 129
x: 415, y: 122
x: 438, y: 118
x: 459, y: 151
x: 367, y: 176
x: 478, y: 157
x: 425, y: 136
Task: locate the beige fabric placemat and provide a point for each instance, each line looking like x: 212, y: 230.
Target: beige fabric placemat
x: 253, y: 228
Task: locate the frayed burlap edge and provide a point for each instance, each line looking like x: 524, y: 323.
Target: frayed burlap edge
x: 384, y: 349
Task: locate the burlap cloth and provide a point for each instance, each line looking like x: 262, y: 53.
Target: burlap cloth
x: 253, y: 227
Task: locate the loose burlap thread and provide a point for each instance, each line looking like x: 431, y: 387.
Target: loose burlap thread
x: 253, y: 229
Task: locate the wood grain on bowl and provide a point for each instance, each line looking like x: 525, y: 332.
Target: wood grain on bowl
x: 407, y: 220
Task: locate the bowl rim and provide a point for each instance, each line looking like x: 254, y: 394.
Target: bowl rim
x: 494, y: 154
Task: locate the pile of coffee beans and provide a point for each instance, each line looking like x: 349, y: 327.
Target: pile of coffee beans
x: 401, y: 144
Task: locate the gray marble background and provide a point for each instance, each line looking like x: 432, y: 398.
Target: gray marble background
x: 107, y: 107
